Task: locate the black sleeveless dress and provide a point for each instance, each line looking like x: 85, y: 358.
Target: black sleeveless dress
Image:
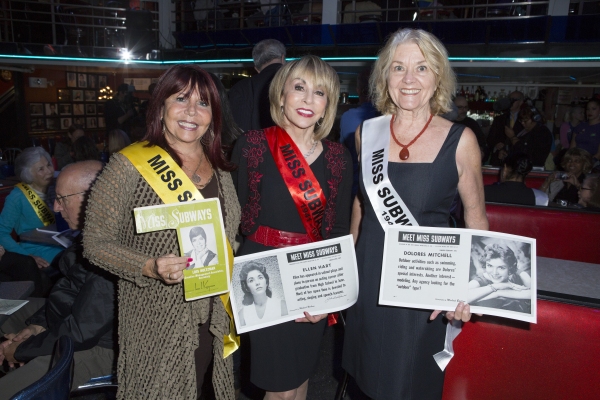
x: 389, y: 350
x: 285, y: 355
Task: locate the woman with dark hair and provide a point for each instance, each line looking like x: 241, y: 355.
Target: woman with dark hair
x: 500, y: 285
x: 166, y: 344
x: 85, y: 149
x: 576, y: 163
x: 259, y: 305
x: 200, y: 255
x: 294, y: 188
x: 511, y: 189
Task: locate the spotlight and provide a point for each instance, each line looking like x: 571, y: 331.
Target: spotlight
x: 124, y: 54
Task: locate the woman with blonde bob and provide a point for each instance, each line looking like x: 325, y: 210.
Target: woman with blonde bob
x: 418, y: 161
x: 283, y: 170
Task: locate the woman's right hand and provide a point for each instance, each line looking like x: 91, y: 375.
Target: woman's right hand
x: 41, y: 263
x: 167, y: 268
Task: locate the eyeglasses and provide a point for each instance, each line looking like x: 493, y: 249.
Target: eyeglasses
x: 60, y: 199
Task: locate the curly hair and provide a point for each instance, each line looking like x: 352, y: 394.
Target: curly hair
x: 576, y: 152
x: 246, y: 269
x: 436, y: 57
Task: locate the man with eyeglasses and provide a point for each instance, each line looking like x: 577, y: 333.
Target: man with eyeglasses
x: 498, y: 139
x: 463, y: 108
x: 81, y: 304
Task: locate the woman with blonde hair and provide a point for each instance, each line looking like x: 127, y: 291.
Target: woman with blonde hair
x: 282, y: 171
x: 413, y: 162
x: 117, y: 140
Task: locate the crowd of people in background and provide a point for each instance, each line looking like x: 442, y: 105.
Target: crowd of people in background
x: 220, y: 145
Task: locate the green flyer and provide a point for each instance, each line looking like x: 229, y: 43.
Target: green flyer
x: 201, y: 236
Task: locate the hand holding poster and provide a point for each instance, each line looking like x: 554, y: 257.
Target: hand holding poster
x: 435, y: 269
x: 201, y: 236
x: 276, y: 286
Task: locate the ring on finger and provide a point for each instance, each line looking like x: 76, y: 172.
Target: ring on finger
x: 169, y: 276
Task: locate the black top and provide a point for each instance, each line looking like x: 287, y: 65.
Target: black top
x: 81, y: 305
x: 249, y: 100
x: 474, y: 126
x: 497, y: 135
x: 510, y: 193
x: 536, y: 144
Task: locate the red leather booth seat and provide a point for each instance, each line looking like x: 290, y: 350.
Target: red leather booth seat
x: 566, y: 234
x: 557, y: 358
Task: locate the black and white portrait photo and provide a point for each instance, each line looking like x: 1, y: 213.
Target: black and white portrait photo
x: 199, y: 244
x: 36, y: 109
x: 65, y: 123
x: 51, y: 110
x: 258, y: 291
x: 82, y: 80
x: 90, y: 109
x: 91, y: 123
x: 90, y: 95
x: 78, y: 109
x: 92, y: 81
x: 65, y: 109
x: 78, y: 95
x: 500, y: 275
x: 102, y: 81
x: 71, y: 79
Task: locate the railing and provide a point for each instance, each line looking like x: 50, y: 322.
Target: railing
x: 95, y: 23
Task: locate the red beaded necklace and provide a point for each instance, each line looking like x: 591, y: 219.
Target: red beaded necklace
x: 404, y: 153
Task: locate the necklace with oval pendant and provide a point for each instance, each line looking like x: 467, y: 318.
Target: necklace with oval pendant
x: 404, y: 153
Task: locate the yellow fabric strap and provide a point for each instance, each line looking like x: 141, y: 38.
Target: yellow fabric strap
x: 39, y: 206
x: 156, y: 166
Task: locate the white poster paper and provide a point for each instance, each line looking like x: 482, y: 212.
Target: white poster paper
x: 436, y: 268
x: 277, y: 286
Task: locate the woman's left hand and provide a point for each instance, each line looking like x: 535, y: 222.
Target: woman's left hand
x: 311, y: 318
x: 462, y: 313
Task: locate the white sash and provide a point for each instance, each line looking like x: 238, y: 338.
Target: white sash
x: 387, y: 203
x: 375, y: 146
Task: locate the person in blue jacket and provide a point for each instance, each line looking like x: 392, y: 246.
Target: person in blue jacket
x: 29, y: 206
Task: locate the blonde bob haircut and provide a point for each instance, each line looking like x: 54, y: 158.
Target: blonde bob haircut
x: 436, y: 57
x: 310, y: 68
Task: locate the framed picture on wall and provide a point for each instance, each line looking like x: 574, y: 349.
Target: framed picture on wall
x: 64, y: 95
x: 65, y: 123
x: 51, y: 110
x: 102, y: 81
x: 77, y: 95
x: 90, y: 109
x: 92, y: 81
x: 71, y: 79
x: 79, y: 121
x: 78, y: 109
x: 90, y: 95
x: 52, y: 124
x: 82, y: 81
x: 65, y: 109
x: 100, y: 109
x: 91, y: 123
x: 36, y: 109
x: 37, y: 124
x: 101, y: 123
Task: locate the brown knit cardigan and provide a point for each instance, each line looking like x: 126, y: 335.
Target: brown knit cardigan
x: 158, y: 330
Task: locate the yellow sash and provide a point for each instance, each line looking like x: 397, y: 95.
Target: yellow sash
x: 172, y: 185
x: 39, y: 206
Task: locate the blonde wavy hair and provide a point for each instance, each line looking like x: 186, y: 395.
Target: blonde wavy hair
x: 436, y: 57
x: 322, y: 75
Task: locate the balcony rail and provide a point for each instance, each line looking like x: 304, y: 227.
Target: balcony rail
x: 79, y: 23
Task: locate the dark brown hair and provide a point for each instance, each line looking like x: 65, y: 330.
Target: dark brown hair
x: 188, y: 78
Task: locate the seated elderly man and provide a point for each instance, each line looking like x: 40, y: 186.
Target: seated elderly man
x: 81, y: 304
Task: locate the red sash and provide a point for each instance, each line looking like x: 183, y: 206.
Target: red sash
x: 299, y: 179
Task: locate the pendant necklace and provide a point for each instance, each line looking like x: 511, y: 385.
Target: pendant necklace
x: 195, y: 177
x: 404, y: 153
x: 312, y: 149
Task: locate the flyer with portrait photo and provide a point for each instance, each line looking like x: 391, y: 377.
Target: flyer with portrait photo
x: 276, y: 286
x: 201, y: 236
x: 436, y: 268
